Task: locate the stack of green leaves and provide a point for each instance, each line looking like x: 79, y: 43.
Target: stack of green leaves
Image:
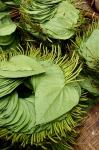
x: 89, y: 51
x: 7, y: 28
x: 43, y: 19
x: 41, y: 100
x: 11, y: 2
x: 55, y: 19
x: 50, y: 108
x: 8, y: 39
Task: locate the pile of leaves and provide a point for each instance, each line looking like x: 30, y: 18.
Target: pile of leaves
x: 49, y: 67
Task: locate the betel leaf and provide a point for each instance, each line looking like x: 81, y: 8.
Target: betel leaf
x: 39, y: 13
x: 6, y: 40
x: 7, y: 27
x: 51, y: 96
x: 49, y: 1
x: 89, y: 49
x: 8, y: 85
x: 55, y: 99
x: 20, y: 66
x: 12, y: 2
x: 62, y: 25
x: 57, y: 104
x: 89, y: 84
x: 13, y: 44
x: 18, y: 114
x: 92, y: 45
x: 51, y: 100
x: 56, y: 19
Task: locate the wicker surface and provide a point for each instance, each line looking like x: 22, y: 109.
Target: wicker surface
x: 89, y: 136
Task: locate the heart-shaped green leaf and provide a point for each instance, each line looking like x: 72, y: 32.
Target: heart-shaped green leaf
x: 20, y: 66
x: 7, y: 27
x: 61, y: 26
x: 52, y: 97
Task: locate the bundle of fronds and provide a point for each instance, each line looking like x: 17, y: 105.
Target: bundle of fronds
x: 40, y: 100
